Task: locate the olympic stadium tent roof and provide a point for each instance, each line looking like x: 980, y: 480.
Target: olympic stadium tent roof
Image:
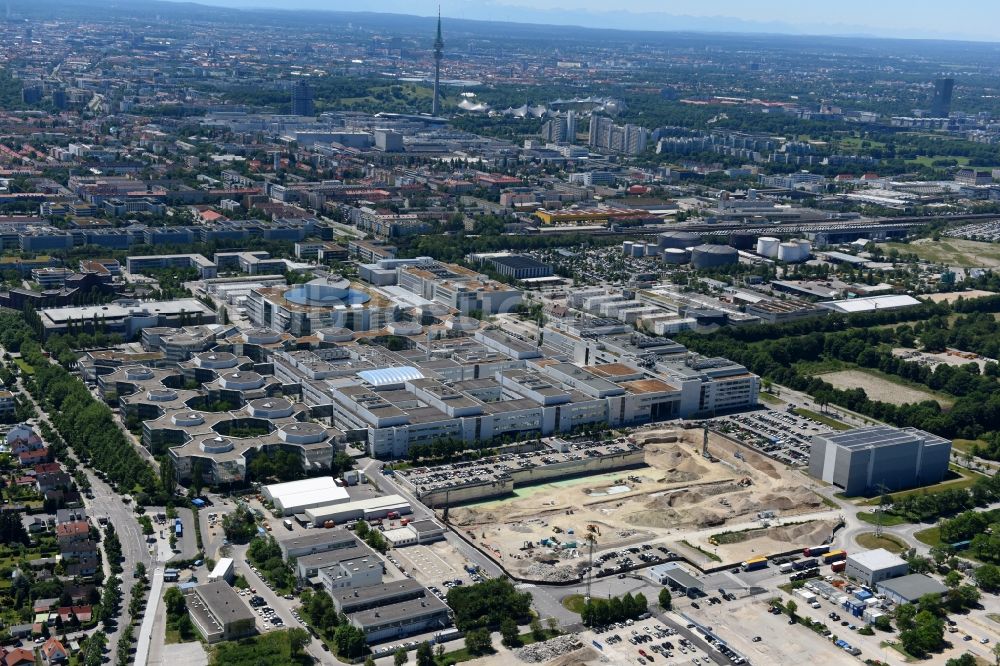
x: 389, y: 376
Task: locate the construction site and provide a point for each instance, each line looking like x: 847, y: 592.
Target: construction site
x: 691, y: 485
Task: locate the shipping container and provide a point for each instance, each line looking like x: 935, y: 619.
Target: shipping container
x: 837, y: 567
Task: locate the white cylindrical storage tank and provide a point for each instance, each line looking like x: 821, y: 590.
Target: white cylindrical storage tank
x: 789, y: 252
x: 638, y: 250
x: 627, y: 248
x: 767, y: 246
x: 805, y: 248
x: 673, y: 255
x: 652, y: 249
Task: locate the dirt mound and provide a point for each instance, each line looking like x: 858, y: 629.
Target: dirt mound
x: 581, y: 656
x: 797, y: 533
x: 468, y: 517
x: 676, y: 464
x: 795, y: 500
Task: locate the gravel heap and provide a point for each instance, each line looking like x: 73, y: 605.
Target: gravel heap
x: 547, y: 572
x: 536, y: 653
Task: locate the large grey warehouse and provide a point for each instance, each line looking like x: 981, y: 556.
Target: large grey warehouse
x: 864, y: 461
x: 875, y: 566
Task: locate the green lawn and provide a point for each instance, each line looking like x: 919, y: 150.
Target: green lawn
x: 928, y: 160
x: 822, y: 418
x: 573, y: 603
x: 890, y: 543
x: 967, y: 445
x: 25, y: 367
x: 770, y: 399
x: 959, y: 479
x: 888, y: 519
x: 931, y: 536
x: 456, y: 657
x: 899, y: 649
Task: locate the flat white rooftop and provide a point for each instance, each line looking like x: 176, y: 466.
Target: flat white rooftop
x: 306, y: 493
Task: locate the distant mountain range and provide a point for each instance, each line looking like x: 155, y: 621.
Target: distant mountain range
x: 491, y: 10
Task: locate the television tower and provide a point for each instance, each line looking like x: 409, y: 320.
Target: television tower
x: 438, y: 53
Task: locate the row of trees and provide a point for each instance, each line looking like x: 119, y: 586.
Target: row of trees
x: 83, y: 422
x: 599, y: 612
x: 265, y: 553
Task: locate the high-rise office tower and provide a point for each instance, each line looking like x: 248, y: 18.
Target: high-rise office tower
x: 438, y: 54
x: 570, y: 126
x: 302, y: 99
x: 941, y: 106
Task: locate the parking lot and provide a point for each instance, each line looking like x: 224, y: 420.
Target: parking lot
x: 763, y: 638
x: 644, y: 642
x: 784, y: 436
x: 626, y: 559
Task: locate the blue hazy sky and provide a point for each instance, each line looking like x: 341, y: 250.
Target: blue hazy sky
x: 956, y: 19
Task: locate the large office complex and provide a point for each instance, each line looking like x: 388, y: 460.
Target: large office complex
x: 878, y: 459
x: 605, y: 135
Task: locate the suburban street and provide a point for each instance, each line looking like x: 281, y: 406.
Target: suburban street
x: 106, y: 502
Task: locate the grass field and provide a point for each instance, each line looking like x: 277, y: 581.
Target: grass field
x: 885, y: 388
x: 822, y: 418
x: 573, y: 603
x: 888, y: 519
x: 25, y: 368
x: 770, y: 399
x: 931, y: 536
x: 951, y: 251
x: 958, y: 479
x: 966, y: 445
x: 892, y: 544
x: 928, y: 160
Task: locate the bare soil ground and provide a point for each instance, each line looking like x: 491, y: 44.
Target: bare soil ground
x: 952, y: 296
x: 679, y: 491
x: 880, y: 389
x: 776, y: 539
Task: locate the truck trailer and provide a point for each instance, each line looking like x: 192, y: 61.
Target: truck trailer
x: 834, y: 556
x: 755, y: 563
x: 816, y: 550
